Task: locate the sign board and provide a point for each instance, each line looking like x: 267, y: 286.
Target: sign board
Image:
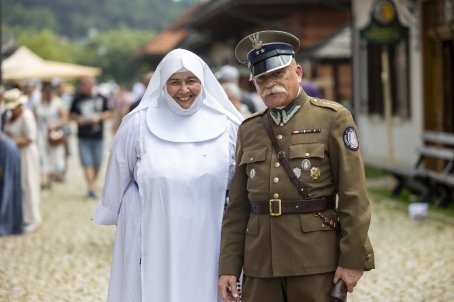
x: 384, y: 27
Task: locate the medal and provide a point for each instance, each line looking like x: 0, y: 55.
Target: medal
x: 315, y: 173
x: 306, y: 131
x: 306, y: 165
x: 252, y: 174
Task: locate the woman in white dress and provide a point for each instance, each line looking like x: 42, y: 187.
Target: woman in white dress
x: 168, y: 173
x: 51, y: 114
x: 21, y: 127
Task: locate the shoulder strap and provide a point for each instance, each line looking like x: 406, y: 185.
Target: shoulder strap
x: 282, y: 157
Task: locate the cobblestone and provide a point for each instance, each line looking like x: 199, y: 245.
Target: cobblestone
x: 68, y: 257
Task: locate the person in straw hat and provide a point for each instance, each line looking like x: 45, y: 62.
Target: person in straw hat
x: 21, y: 127
x: 10, y: 185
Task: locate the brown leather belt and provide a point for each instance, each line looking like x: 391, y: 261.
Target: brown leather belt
x: 277, y: 207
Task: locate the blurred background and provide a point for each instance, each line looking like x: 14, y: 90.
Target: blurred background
x: 390, y: 62
x: 343, y: 43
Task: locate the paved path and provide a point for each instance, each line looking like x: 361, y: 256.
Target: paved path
x: 68, y: 257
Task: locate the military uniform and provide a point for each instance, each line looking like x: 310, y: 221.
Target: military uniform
x: 314, y: 134
x: 292, y: 255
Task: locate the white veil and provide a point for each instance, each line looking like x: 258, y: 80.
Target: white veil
x: 213, y: 93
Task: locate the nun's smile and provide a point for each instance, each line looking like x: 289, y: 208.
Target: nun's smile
x: 184, y: 87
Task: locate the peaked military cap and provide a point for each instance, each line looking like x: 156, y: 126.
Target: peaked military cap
x: 266, y: 51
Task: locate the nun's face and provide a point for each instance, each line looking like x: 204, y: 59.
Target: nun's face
x: 184, y: 87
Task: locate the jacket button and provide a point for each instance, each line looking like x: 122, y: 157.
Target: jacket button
x: 279, y: 136
x: 277, y: 164
x: 251, y: 159
x: 307, y: 154
x: 275, y: 180
x: 369, y: 256
x: 275, y: 195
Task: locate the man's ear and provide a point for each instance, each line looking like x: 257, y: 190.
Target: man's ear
x: 299, y: 73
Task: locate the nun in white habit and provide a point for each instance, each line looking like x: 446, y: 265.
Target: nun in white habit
x: 169, y: 168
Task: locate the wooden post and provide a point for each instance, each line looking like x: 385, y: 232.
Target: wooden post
x: 387, y: 108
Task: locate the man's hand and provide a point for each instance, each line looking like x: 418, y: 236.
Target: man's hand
x: 350, y: 277
x: 227, y: 286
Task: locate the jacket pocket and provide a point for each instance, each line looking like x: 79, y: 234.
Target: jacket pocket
x: 316, y: 150
x: 253, y: 156
x: 255, y: 168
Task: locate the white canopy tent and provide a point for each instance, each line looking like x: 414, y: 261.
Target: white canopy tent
x: 23, y: 64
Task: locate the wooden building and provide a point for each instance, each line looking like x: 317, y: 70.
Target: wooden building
x: 213, y: 28
x: 421, y: 71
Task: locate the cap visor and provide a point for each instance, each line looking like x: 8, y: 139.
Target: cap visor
x: 271, y: 64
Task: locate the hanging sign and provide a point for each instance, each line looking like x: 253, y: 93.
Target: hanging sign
x: 384, y: 27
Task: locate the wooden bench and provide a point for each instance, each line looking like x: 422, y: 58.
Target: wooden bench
x: 421, y: 180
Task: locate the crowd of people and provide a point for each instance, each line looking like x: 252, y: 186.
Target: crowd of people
x: 35, y: 124
x: 204, y: 178
x: 36, y: 118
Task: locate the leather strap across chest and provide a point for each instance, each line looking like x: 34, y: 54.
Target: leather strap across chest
x: 277, y: 207
x: 282, y: 157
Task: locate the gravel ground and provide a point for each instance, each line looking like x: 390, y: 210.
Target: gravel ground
x: 68, y: 257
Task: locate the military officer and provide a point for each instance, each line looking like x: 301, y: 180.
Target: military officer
x: 298, y: 216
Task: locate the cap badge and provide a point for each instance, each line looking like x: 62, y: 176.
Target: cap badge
x: 256, y: 43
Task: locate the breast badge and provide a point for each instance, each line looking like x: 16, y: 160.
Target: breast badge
x: 297, y: 172
x: 252, y: 174
x: 315, y: 173
x: 350, y: 139
x: 306, y: 165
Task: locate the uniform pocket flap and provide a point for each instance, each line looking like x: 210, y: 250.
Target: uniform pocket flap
x: 311, y: 223
x: 253, y: 226
x: 307, y: 150
x: 252, y: 156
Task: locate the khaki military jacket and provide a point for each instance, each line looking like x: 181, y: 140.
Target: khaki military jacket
x: 297, y: 244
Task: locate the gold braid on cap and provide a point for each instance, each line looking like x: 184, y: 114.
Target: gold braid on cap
x: 256, y: 43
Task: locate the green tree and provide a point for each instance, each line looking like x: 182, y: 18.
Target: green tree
x: 47, y: 45
x: 75, y: 18
x: 114, y: 51
x: 20, y: 16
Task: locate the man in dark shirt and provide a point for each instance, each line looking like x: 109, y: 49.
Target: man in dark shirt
x: 89, y: 110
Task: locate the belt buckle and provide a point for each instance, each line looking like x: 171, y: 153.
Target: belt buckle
x: 279, y: 205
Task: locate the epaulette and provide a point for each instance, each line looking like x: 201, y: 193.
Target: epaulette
x: 254, y: 115
x: 327, y: 104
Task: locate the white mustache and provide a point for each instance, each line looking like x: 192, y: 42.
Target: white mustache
x: 274, y: 89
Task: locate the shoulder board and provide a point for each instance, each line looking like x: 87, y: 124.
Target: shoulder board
x: 327, y: 104
x: 254, y: 115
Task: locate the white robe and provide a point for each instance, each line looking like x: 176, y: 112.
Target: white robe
x: 167, y: 199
